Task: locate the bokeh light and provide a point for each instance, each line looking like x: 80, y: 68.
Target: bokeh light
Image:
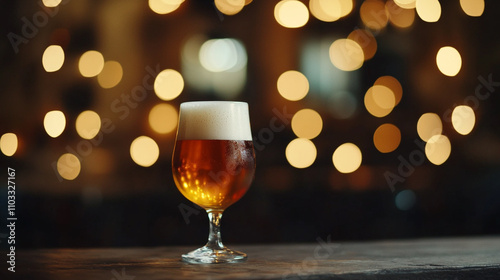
x: 219, y: 55
x: 346, y: 54
x: 291, y: 13
x: 449, y: 61
x: 110, y: 75
x: 347, y: 158
x: 405, y: 200
x: 68, y: 166
x: 387, y: 138
x: 365, y: 40
x: 307, y: 123
x: 54, y: 123
x: 438, y: 149
x: 392, y: 84
x: 163, y: 118
x: 227, y: 84
x: 51, y: 3
x: 144, y: 151
x: 229, y: 7
x: 168, y: 84
x: 163, y: 7
x: 301, y: 153
x: 53, y: 58
x: 379, y: 101
x: 401, y: 18
x: 325, y: 10
x: 463, y: 119
x: 406, y: 4
x: 293, y: 85
x: 374, y: 14
x: 346, y: 7
x: 8, y: 144
x: 473, y: 8
x: 88, y: 124
x: 91, y: 63
x: 330, y: 10
x: 428, y: 10
x: 428, y: 125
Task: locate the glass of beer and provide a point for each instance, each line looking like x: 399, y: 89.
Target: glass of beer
x: 213, y: 165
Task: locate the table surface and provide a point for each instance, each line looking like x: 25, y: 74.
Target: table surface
x: 438, y: 258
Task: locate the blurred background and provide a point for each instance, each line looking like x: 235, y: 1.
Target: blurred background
x: 371, y: 119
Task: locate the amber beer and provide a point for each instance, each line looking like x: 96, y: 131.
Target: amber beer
x: 213, y: 173
x: 214, y: 161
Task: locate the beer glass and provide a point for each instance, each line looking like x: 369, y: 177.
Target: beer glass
x: 213, y: 165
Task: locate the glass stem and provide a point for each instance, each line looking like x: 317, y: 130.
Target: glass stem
x: 214, y: 237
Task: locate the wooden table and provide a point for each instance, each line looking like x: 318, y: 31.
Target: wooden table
x: 447, y: 258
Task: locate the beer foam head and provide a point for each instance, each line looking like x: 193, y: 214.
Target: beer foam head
x: 214, y: 120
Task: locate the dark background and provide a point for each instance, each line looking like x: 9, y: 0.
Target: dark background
x: 129, y: 205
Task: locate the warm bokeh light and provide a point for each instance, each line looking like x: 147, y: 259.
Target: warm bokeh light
x: 168, y: 84
x: 163, y: 118
x: 379, y: 101
x: 463, y: 119
x: 405, y: 4
x: 53, y: 58
x: 346, y: 7
x: 54, y: 123
x: 428, y: 125
x: 229, y: 7
x: 374, y: 14
x: 307, y: 123
x: 8, y: 144
x: 449, y: 61
x: 347, y: 158
x: 91, y: 64
x: 346, y: 54
x: 110, y: 75
x: 428, y: 10
x: 325, y: 10
x: 163, y: 7
x: 291, y: 13
x: 387, y: 138
x: 330, y: 10
x: 293, y: 85
x: 438, y: 149
x: 144, y: 151
x: 219, y: 55
x: 68, y: 166
x: 51, y: 3
x: 401, y: 18
x: 365, y: 40
x: 393, y: 84
x: 301, y: 153
x: 473, y: 8
x: 88, y: 124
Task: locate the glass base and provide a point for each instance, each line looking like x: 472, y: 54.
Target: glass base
x: 209, y: 255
